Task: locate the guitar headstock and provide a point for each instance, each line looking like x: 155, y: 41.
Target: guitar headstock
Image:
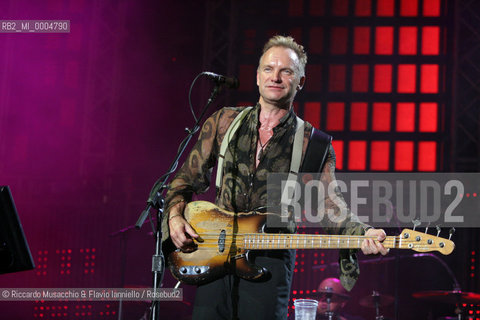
x: 424, y: 242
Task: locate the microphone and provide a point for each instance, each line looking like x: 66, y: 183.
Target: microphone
x: 231, y: 83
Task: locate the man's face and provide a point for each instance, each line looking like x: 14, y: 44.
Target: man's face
x: 278, y: 77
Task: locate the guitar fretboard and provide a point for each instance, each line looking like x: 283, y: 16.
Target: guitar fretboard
x: 303, y: 241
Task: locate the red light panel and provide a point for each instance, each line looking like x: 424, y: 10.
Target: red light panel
x: 317, y: 8
x: 340, y: 8
x: 431, y: 8
x: 429, y: 78
x: 407, y: 40
x: 358, y: 116
x: 363, y: 8
x: 430, y: 40
x: 384, y: 40
x: 335, y: 116
x: 338, y: 40
x: 403, y: 156
x: 295, y: 8
x: 427, y: 155
x: 406, y: 78
x: 385, y: 8
x: 336, y: 81
x: 338, y: 147
x: 428, y: 117
x: 380, y: 155
x: 409, y: 8
x: 357, y: 151
x: 405, y: 117
x: 312, y: 113
x: 381, y: 116
x: 361, y: 40
x: 316, y: 40
x: 360, y: 78
x: 383, y: 78
x: 315, y: 74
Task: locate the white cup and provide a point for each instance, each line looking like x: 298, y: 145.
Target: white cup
x: 305, y: 309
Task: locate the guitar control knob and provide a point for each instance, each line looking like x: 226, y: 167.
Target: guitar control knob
x: 197, y: 270
x: 183, y: 270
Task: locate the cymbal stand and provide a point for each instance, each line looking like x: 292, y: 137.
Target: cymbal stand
x: 329, y: 295
x: 376, y: 300
x: 458, y: 305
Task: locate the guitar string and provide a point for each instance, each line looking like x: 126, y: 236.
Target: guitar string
x: 214, y: 245
x: 214, y: 248
x: 303, y: 238
x: 252, y: 240
x: 310, y: 243
x: 350, y: 242
x: 262, y: 235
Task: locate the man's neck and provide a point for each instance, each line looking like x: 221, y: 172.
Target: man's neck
x: 273, y: 110
x: 270, y: 115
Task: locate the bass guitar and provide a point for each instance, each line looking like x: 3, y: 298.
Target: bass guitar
x: 225, y: 240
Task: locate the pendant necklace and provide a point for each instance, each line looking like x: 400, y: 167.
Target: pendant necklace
x: 262, y: 147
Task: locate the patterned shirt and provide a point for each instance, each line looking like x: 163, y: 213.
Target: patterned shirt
x: 244, y: 185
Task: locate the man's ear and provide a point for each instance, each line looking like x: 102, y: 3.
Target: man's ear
x: 301, y: 83
x: 258, y: 82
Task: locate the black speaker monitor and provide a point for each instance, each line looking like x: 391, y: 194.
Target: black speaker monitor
x: 14, y: 252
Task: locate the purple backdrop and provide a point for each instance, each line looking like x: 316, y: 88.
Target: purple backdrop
x: 88, y: 121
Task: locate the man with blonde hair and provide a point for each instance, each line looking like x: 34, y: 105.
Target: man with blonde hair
x: 263, y: 143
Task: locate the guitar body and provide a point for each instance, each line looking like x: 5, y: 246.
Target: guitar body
x: 218, y: 252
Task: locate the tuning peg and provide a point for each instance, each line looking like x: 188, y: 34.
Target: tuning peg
x: 416, y: 223
x: 438, y: 230
x: 451, y: 232
x: 426, y: 229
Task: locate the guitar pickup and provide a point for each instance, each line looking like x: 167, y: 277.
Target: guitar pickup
x: 221, y: 241
x: 193, y: 270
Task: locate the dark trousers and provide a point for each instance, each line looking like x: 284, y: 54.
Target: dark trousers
x: 233, y: 298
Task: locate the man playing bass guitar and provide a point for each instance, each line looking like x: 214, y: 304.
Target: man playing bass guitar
x: 263, y: 143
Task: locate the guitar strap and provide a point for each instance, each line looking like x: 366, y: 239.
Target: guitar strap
x: 226, y: 140
x: 317, y: 151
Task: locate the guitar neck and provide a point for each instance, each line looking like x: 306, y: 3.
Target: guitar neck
x: 408, y: 239
x: 262, y: 241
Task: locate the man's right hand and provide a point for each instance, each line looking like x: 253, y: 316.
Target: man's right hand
x: 181, y: 232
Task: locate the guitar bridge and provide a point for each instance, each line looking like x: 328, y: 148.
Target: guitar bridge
x: 239, y: 256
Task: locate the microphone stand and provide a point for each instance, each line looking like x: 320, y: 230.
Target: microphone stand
x: 157, y: 200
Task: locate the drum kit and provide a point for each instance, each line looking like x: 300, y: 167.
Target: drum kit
x: 330, y: 297
x: 375, y: 300
x: 378, y: 301
x: 455, y: 297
